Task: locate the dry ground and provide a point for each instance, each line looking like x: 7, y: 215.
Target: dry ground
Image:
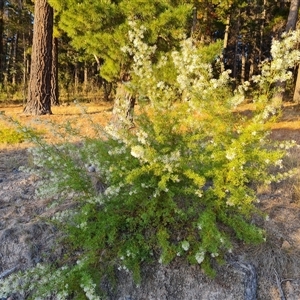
x: 277, y: 261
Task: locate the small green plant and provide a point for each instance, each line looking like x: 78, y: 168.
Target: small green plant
x: 182, y: 183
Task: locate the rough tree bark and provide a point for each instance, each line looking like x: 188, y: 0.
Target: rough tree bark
x: 123, y: 106
x: 293, y: 16
x: 296, y: 97
x: 225, y: 43
x: 1, y: 39
x: 292, y: 22
x: 54, y: 73
x: 39, y: 90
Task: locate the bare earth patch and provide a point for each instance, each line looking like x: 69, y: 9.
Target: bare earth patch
x: 25, y: 237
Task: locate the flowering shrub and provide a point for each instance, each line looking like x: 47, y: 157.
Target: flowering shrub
x: 179, y: 184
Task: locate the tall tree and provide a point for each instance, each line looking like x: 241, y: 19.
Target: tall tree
x: 39, y: 90
x: 293, y: 15
x: 1, y: 39
x: 54, y: 73
x: 291, y: 24
x: 101, y: 27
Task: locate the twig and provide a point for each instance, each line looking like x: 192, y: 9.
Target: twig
x: 278, y: 282
x: 289, y: 279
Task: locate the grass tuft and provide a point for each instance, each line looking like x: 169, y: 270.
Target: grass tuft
x: 11, y: 136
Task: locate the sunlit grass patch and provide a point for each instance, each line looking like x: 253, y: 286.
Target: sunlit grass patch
x: 11, y: 136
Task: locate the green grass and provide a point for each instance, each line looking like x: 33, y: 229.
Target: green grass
x: 11, y: 136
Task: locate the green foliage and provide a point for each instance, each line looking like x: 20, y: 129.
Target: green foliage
x: 180, y: 184
x: 101, y: 27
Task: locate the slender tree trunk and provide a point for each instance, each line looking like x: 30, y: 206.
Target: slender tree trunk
x: 243, y: 70
x: 291, y: 24
x: 25, y: 70
x: 6, y: 63
x: 194, y: 25
x: 85, y: 77
x: 1, y: 40
x: 262, y: 29
x: 236, y: 51
x: 76, y: 78
x: 123, y: 106
x: 293, y: 16
x: 39, y: 90
x: 296, y: 97
x: 225, y: 43
x: 54, y: 73
x: 14, y: 59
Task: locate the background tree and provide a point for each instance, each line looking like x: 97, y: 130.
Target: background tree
x: 16, y: 39
x: 39, y: 91
x: 1, y: 38
x: 101, y: 29
x: 291, y: 25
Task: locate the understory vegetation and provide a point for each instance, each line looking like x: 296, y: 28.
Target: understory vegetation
x: 180, y: 183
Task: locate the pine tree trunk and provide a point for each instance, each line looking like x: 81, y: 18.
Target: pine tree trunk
x: 14, y: 59
x: 236, y: 54
x: 85, y: 78
x: 296, y: 97
x: 290, y: 25
x: 262, y: 29
x: 123, y: 106
x: 293, y: 16
x: 39, y: 90
x: 76, y: 78
x: 7, y: 62
x: 1, y: 39
x: 243, y: 69
x: 225, y: 43
x: 54, y: 73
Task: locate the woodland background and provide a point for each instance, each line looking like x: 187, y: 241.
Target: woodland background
x: 86, y: 38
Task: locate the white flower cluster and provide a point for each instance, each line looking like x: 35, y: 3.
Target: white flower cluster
x: 195, y: 78
x: 285, y: 56
x: 185, y: 245
x: 117, y: 150
x: 142, y: 137
x: 137, y: 151
x: 63, y: 216
x: 170, y: 161
x: 199, y: 256
x: 90, y: 290
x: 154, y: 89
x: 141, y: 51
x: 230, y: 154
x: 113, y: 190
